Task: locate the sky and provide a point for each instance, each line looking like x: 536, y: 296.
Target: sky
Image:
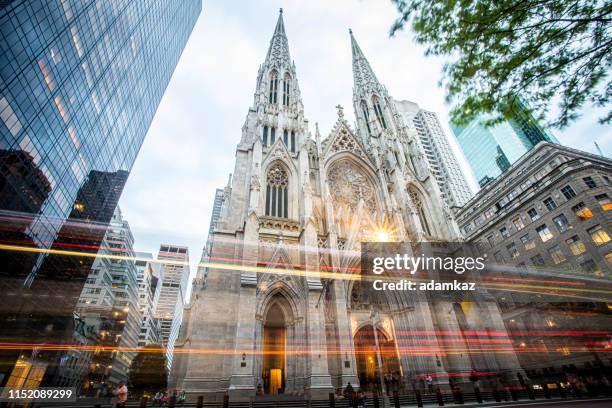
x: 189, y: 149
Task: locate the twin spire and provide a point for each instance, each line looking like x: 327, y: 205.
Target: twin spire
x: 278, y: 53
x: 362, y: 71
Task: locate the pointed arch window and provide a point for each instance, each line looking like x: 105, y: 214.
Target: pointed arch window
x: 272, y: 135
x: 286, y: 89
x: 277, y: 192
x: 273, y: 87
x: 286, y: 137
x: 378, y: 111
x: 424, y: 220
x: 418, y: 203
x: 265, y: 136
x: 366, y: 115
x: 293, y: 141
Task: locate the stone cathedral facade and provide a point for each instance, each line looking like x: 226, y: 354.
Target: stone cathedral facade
x: 276, y: 314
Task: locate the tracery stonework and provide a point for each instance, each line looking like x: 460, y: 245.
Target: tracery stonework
x: 277, y: 176
x: 348, y: 185
x: 414, y: 196
x: 344, y: 142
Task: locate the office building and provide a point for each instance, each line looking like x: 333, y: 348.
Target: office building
x: 553, y: 195
x: 109, y: 301
x: 490, y: 150
x: 80, y: 83
x: 549, y: 218
x: 202, y: 273
x: 174, y: 261
x: 437, y: 150
x: 149, y: 290
x: 214, y: 216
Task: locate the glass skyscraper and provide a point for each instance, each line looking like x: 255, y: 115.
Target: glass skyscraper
x: 80, y: 82
x: 491, y: 150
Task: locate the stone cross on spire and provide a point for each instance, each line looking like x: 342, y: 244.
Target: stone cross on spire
x: 340, y: 111
x: 362, y: 71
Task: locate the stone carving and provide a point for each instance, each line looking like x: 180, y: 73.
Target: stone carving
x: 341, y: 244
x: 358, y: 300
x: 322, y: 241
x: 348, y: 184
x: 279, y: 224
x: 345, y: 142
x: 278, y: 151
x: 415, y: 197
x: 277, y: 176
x: 255, y: 184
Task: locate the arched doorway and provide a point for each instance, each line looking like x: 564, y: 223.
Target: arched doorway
x: 274, y: 348
x: 367, y: 362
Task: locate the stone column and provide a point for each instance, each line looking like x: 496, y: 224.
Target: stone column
x: 242, y: 381
x: 318, y: 384
x: 301, y: 354
x: 457, y: 363
x: 490, y: 317
x: 291, y: 357
x: 346, y: 344
x: 214, y: 327
x: 418, y: 344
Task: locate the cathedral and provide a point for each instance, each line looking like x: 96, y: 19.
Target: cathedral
x: 282, y: 311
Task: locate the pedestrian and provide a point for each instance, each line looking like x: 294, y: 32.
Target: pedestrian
x: 429, y: 382
x: 165, y: 398
x: 157, y: 398
x: 361, y: 401
x: 121, y: 392
x: 348, y: 392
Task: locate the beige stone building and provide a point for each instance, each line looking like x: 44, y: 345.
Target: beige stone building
x: 548, y: 218
x: 281, y: 310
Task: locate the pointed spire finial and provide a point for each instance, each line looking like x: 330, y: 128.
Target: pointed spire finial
x: 362, y: 71
x: 279, y: 46
x: 281, y: 10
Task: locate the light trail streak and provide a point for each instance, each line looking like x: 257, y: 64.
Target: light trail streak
x: 420, y: 350
x: 578, y: 293
x: 513, y: 279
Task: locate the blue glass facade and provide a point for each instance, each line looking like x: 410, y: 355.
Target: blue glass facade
x: 80, y: 82
x: 491, y: 150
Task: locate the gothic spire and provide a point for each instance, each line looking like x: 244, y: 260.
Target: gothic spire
x: 278, y: 52
x: 362, y: 72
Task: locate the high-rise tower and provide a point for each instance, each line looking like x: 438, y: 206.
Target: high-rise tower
x: 174, y: 266
x: 80, y: 84
x: 436, y: 148
x: 491, y: 150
